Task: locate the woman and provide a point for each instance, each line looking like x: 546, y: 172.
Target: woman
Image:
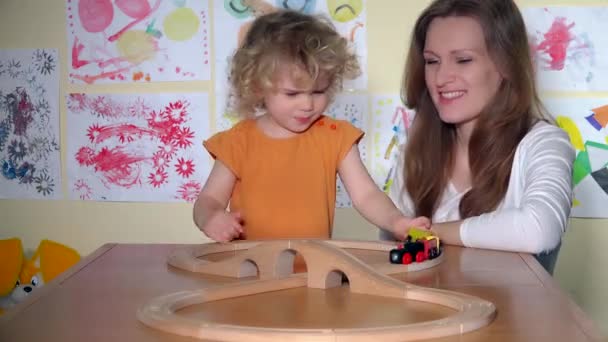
x: 481, y: 159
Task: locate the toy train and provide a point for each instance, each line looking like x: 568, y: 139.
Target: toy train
x: 420, y: 245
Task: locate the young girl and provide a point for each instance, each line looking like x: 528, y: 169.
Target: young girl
x: 276, y: 169
x: 481, y: 160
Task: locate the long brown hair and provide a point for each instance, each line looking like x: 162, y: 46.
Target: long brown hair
x: 429, y: 154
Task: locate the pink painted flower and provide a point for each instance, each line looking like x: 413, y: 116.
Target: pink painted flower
x: 160, y: 160
x: 77, y: 102
x: 106, y: 108
x: 85, y: 156
x: 189, y: 191
x: 167, y: 150
x: 158, y: 178
x: 83, y: 189
x: 156, y: 119
x: 184, y: 167
x: 93, y: 132
x: 183, y: 137
x: 138, y: 108
x: 177, y: 111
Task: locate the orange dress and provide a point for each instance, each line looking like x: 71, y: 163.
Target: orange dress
x: 285, y: 188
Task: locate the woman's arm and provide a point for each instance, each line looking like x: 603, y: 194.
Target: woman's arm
x: 448, y: 232
x: 542, y: 196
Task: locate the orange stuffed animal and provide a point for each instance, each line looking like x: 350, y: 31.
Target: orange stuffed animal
x: 49, y: 260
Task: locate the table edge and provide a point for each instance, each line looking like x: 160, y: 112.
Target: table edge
x: 582, y: 319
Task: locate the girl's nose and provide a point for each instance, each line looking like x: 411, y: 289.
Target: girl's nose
x: 307, y: 102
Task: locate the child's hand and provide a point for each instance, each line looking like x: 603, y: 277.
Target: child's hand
x: 402, y: 225
x: 223, y: 226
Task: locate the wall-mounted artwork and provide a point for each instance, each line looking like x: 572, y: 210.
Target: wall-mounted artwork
x: 570, y: 47
x: 29, y: 124
x: 137, y: 147
x: 586, y: 121
x: 390, y: 120
x: 137, y: 40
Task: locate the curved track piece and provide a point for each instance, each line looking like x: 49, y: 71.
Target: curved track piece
x: 188, y: 258
x: 326, y: 261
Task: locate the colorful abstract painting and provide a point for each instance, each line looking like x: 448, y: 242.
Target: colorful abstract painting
x: 137, y: 147
x: 570, y: 47
x: 586, y: 121
x: 29, y: 124
x: 390, y: 120
x: 232, y: 18
x: 137, y: 40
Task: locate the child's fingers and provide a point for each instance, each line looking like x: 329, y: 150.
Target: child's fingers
x: 228, y: 235
x: 422, y: 222
x: 237, y: 222
x: 226, y: 227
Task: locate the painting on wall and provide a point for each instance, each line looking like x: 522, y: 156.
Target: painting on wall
x: 29, y: 124
x: 232, y: 18
x: 390, y: 120
x: 586, y: 121
x: 137, y: 40
x: 137, y: 147
x: 570, y: 47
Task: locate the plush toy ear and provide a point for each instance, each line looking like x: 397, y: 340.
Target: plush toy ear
x: 11, y: 261
x: 55, y: 258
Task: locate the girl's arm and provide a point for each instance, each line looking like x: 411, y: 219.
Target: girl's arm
x: 209, y: 210
x: 536, y: 223
x: 373, y: 204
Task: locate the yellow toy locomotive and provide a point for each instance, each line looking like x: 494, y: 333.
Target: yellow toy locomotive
x: 420, y: 245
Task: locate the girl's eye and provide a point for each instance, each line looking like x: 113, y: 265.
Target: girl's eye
x: 291, y: 94
x: 431, y: 61
x: 319, y: 92
x: 464, y: 60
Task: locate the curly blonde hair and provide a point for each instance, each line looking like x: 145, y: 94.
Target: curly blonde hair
x: 292, y: 39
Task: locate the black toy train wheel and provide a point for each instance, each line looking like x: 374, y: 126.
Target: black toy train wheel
x: 395, y: 256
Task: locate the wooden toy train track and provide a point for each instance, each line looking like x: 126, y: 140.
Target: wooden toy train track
x: 327, y: 261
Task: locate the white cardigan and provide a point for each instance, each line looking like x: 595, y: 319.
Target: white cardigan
x: 533, y: 215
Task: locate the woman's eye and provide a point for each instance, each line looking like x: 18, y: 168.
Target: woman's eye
x: 431, y: 61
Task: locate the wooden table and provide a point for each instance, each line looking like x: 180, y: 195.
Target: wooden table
x: 97, y: 299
